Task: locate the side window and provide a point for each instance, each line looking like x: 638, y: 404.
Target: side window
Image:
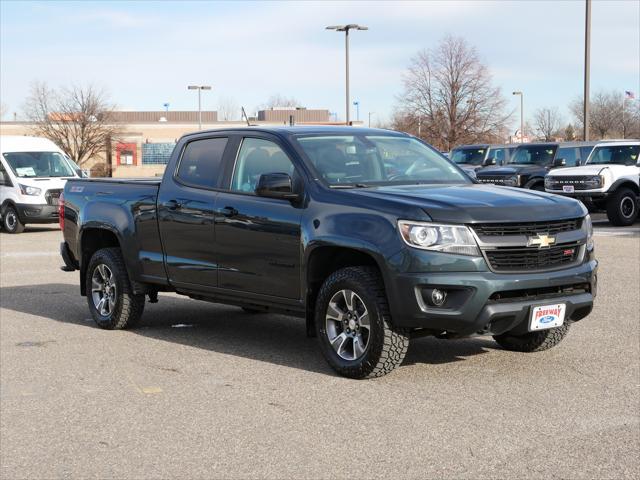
x: 569, y: 155
x: 498, y: 154
x: 255, y: 158
x: 200, y: 162
x: 4, y: 177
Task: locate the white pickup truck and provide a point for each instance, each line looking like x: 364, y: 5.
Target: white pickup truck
x: 609, y: 180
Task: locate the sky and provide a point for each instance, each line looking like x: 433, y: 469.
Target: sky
x: 145, y: 53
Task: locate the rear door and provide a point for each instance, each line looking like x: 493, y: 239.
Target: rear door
x: 186, y: 212
x: 258, y: 240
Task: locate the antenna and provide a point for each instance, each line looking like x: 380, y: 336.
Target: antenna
x: 244, y: 114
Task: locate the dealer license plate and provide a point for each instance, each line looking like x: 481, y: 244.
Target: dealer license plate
x: 547, y: 316
x: 568, y: 188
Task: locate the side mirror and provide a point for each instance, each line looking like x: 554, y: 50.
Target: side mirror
x: 488, y: 162
x: 276, y: 185
x: 559, y: 162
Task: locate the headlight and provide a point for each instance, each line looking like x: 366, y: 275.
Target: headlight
x: 512, y: 181
x: 438, y: 237
x: 594, y: 182
x: 589, y: 226
x: 28, y: 190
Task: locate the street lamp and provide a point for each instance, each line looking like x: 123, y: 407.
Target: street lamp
x: 371, y: 113
x: 345, y: 29
x: 521, y: 115
x: 357, y: 105
x: 199, y: 88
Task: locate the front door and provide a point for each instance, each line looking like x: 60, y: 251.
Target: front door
x: 186, y: 213
x: 258, y: 240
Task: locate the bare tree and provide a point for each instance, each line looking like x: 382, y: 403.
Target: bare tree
x: 449, y: 97
x: 607, y: 118
x: 77, y: 119
x: 228, y: 109
x: 547, y: 122
x: 569, y: 133
x: 278, y: 100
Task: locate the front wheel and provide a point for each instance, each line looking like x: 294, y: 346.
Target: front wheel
x: 112, y: 303
x: 533, y: 341
x: 11, y: 222
x: 622, y: 207
x: 353, y: 325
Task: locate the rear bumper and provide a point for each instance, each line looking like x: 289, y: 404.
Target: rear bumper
x: 69, y: 262
x: 489, y: 303
x: 34, y: 213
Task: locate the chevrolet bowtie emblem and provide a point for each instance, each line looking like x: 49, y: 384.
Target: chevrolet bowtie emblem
x: 541, y: 241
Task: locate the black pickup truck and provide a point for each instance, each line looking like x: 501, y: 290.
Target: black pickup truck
x: 529, y: 163
x: 371, y: 235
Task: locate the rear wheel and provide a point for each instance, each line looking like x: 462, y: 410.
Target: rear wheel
x: 622, y: 207
x: 533, y: 341
x: 11, y: 222
x: 112, y: 303
x: 353, y: 325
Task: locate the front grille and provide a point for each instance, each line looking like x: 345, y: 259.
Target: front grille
x: 493, y: 179
x: 511, y: 259
x: 578, y: 182
x: 52, y: 196
x: 539, y: 293
x: 528, y: 228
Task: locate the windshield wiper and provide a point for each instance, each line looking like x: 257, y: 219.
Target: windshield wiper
x: 350, y: 185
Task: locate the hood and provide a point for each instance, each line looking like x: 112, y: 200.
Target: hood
x: 44, y: 184
x: 475, y: 203
x: 511, y: 169
x: 591, y: 170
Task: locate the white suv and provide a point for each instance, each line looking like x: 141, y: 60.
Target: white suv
x: 609, y: 180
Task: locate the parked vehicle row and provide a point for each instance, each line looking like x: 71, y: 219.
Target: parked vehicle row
x: 33, y: 172
x: 370, y: 235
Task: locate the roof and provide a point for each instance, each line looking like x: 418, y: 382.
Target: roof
x: 308, y: 130
x: 557, y: 144
x: 478, y: 145
x: 23, y: 143
x: 618, y: 143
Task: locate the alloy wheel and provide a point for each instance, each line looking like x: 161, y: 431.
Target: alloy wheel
x: 347, y: 325
x: 103, y: 290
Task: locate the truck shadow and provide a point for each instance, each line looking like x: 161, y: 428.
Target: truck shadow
x: 272, y: 338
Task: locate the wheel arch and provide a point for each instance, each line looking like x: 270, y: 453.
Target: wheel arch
x: 625, y: 183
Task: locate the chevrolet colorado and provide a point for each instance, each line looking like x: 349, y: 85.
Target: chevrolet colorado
x: 309, y: 221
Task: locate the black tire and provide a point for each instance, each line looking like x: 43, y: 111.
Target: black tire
x: 536, y: 185
x: 622, y: 207
x: 127, y: 308
x: 11, y: 222
x: 386, y: 346
x: 533, y: 341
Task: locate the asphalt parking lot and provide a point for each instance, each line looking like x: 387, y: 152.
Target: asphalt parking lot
x: 203, y: 390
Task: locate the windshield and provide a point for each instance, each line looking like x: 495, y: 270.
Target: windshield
x: 534, y: 155
x: 620, y: 155
x: 363, y: 160
x: 468, y: 156
x: 38, y: 164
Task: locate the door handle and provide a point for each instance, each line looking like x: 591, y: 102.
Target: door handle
x: 172, y: 205
x: 229, y: 212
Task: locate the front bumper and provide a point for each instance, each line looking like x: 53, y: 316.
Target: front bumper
x: 35, y: 213
x: 584, y: 195
x: 488, y: 303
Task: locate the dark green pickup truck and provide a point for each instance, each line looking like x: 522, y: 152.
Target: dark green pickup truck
x: 370, y: 235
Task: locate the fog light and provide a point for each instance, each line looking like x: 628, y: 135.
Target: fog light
x: 438, y: 297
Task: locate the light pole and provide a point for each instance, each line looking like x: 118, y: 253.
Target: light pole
x: 345, y: 29
x: 371, y: 113
x: 587, y: 64
x: 521, y: 115
x: 357, y: 105
x: 166, y: 107
x: 199, y: 88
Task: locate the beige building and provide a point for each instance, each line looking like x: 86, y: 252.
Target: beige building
x: 147, y: 139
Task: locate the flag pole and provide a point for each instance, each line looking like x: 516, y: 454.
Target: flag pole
x: 624, y: 99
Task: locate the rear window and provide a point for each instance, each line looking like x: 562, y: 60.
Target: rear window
x: 621, y: 155
x: 200, y: 162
